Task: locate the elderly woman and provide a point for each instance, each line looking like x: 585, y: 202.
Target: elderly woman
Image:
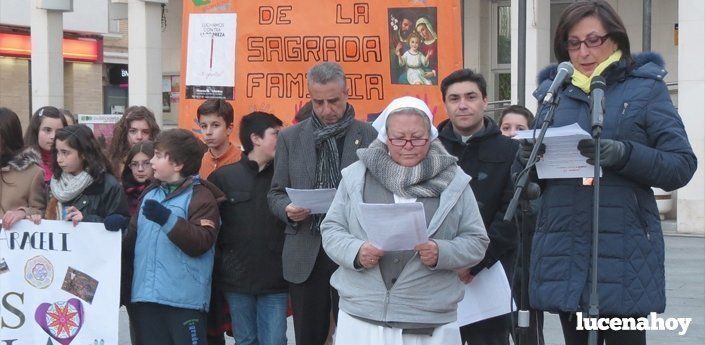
x: 643, y: 145
x: 403, y: 297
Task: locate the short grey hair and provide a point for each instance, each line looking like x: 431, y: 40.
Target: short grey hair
x: 409, y: 111
x: 326, y: 72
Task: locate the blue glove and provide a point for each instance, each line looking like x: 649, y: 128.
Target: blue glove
x: 116, y: 222
x: 155, y: 212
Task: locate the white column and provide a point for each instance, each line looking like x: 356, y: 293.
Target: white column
x: 472, y: 36
x: 145, y: 54
x: 47, y: 34
x: 538, y: 20
x: 691, y: 88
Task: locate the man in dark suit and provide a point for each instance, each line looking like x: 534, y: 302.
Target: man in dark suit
x: 310, y: 155
x: 487, y: 156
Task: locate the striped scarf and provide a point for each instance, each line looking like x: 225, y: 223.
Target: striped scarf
x: 425, y: 180
x: 327, y: 155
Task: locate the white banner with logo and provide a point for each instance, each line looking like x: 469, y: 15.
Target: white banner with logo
x: 59, y: 284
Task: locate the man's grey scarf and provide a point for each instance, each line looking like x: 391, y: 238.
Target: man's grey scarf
x: 327, y: 155
x: 425, y: 180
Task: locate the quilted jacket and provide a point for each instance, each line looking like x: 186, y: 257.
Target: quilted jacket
x: 638, y: 112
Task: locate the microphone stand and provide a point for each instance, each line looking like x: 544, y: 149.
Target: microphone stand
x: 531, y: 193
x: 594, y: 302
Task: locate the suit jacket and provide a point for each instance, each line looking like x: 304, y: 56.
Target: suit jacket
x: 295, y: 167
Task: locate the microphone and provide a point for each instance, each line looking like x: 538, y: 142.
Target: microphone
x: 597, y: 94
x: 565, y: 71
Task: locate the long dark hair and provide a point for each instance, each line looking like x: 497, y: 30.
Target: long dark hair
x: 596, y: 8
x: 118, y: 145
x: 11, y: 142
x: 10, y: 138
x: 146, y: 147
x: 81, y: 139
x: 35, y: 123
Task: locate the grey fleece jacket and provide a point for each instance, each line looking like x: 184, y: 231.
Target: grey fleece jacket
x: 420, y: 294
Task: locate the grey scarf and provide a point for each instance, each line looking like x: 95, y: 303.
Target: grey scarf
x: 327, y: 155
x: 425, y: 180
x: 68, y: 186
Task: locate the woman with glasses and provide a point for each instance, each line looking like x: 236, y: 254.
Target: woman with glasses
x: 409, y: 296
x: 643, y: 145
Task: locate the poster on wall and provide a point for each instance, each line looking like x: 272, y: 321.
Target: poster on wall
x: 414, y: 43
x: 59, y: 284
x: 210, y: 55
x: 102, y: 125
x: 387, y: 49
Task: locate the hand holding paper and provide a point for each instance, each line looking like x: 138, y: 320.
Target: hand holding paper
x: 296, y: 213
x: 486, y: 295
x: 369, y: 255
x: 465, y: 276
x: 562, y: 158
x: 316, y: 200
x: 428, y: 252
x: 613, y: 153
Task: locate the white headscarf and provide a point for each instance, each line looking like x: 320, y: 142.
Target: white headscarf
x: 380, y: 124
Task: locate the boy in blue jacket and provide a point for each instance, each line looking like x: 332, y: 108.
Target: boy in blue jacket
x: 173, y: 238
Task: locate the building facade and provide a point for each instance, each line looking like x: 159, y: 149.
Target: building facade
x: 138, y: 60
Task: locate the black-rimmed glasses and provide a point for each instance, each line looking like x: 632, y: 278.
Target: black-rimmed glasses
x: 402, y: 142
x: 590, y: 42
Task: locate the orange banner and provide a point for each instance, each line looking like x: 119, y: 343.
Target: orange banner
x: 388, y: 49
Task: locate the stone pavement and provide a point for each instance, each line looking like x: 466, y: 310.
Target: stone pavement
x: 685, y: 293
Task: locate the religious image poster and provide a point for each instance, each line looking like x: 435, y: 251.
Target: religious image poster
x: 413, y: 44
x: 278, y: 42
x: 210, y: 55
x: 59, y: 283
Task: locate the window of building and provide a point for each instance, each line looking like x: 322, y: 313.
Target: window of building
x: 501, y: 51
x: 557, y: 7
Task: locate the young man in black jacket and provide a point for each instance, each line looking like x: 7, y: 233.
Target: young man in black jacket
x: 248, y: 265
x: 487, y: 156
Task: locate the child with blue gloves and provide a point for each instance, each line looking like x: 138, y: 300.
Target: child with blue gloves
x: 172, y: 238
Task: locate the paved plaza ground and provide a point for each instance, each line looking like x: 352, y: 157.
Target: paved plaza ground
x: 685, y: 292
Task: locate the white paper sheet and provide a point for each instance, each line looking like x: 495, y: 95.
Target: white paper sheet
x: 389, y: 227
x: 488, y: 295
x: 210, y: 57
x: 562, y: 158
x: 316, y: 200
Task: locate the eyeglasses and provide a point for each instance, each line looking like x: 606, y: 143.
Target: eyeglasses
x: 140, y: 165
x: 402, y: 142
x: 590, y: 42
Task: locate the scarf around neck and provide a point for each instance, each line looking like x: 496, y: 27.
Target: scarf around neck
x: 68, y: 186
x: 327, y: 154
x: 582, y: 81
x: 425, y: 180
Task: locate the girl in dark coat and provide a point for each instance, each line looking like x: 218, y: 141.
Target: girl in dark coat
x: 82, y: 187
